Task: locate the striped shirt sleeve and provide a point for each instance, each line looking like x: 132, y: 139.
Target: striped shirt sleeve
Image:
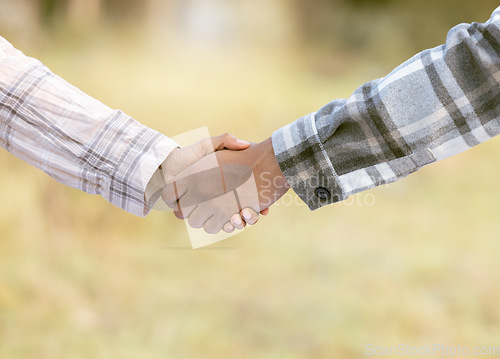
x: 73, y: 137
x: 439, y: 103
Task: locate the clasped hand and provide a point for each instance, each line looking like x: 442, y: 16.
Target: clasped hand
x: 234, y: 180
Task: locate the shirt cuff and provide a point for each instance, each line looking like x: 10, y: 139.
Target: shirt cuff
x: 155, y: 184
x: 305, y: 163
x: 142, y: 157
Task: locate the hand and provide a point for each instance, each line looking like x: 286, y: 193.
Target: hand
x: 216, y: 187
x: 181, y: 158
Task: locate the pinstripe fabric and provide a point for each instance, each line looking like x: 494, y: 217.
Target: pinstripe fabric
x: 73, y: 137
x: 437, y: 104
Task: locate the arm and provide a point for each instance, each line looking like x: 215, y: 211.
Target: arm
x: 73, y: 137
x: 437, y: 104
x: 84, y: 144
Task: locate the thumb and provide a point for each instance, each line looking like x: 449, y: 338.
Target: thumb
x: 229, y: 142
x: 183, y: 158
x: 217, y: 143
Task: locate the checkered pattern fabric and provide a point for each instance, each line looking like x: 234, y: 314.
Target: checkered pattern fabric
x: 73, y: 137
x: 439, y: 103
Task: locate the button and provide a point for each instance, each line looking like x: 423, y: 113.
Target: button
x: 322, y: 193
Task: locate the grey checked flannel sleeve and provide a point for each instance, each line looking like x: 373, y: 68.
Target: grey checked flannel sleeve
x: 439, y: 103
x: 73, y: 137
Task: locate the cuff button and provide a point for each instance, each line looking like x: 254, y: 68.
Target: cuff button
x: 322, y: 193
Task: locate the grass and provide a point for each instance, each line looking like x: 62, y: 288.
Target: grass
x: 414, y: 263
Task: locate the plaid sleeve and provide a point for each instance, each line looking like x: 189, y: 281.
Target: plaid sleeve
x: 73, y: 137
x: 437, y: 104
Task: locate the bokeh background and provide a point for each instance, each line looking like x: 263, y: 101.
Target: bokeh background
x: 414, y: 263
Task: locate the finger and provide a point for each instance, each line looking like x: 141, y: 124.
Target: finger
x: 228, y: 141
x: 183, y: 212
x: 208, y: 145
x: 237, y: 222
x: 181, y: 159
x: 212, y: 226
x: 228, y: 228
x: 198, y: 217
x: 250, y: 216
x: 178, y: 213
x: 172, y: 192
x: 265, y: 212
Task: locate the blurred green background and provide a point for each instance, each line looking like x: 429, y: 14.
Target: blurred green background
x: 414, y: 263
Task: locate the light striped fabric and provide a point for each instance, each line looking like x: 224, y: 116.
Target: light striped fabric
x: 73, y: 137
x: 439, y: 103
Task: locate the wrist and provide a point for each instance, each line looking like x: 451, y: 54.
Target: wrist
x: 169, y: 166
x: 269, y: 163
x: 271, y: 182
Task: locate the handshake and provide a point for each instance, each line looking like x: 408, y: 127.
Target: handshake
x: 222, y: 183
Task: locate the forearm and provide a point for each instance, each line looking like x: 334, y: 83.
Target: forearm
x: 437, y: 104
x: 73, y: 137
